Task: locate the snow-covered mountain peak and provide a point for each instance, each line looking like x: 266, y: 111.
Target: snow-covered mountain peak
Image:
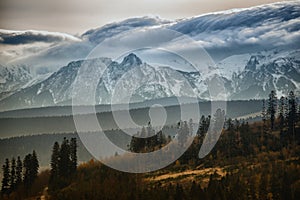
x: 131, y: 60
x: 252, y: 63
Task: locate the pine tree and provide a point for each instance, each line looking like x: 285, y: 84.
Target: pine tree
x: 272, y: 103
x: 55, y: 162
x: 64, y: 161
x: 202, y: 126
x: 19, y: 169
x: 73, y: 155
x: 292, y: 111
x: 27, y: 171
x: 13, y: 177
x: 281, y: 113
x: 34, y: 166
x: 151, y: 140
x: 6, y: 178
x: 31, y: 167
x: 218, y: 122
x: 183, y: 133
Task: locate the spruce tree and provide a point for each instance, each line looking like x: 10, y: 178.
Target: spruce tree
x: 202, y: 126
x: 34, y: 166
x: 19, y: 169
x: 55, y: 162
x: 183, y: 133
x: 64, y: 161
x: 264, y: 116
x: 31, y: 167
x: 272, y: 104
x: 13, y: 175
x: 73, y: 155
x: 292, y: 111
x: 281, y: 113
x: 6, y: 178
x: 27, y: 171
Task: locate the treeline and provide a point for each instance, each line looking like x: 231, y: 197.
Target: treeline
x: 285, y: 111
x: 18, y: 174
x: 149, y: 140
x: 21, y: 178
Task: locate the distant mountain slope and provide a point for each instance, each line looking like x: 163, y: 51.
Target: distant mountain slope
x: 263, y: 72
x: 32, y: 122
x: 13, y: 78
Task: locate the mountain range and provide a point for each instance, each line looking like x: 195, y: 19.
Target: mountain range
x: 262, y: 73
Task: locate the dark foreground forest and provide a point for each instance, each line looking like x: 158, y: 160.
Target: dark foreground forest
x: 260, y: 160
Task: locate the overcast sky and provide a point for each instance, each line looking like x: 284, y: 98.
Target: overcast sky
x: 77, y: 16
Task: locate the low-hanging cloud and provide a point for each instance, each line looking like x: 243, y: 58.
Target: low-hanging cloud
x: 25, y: 37
x: 112, y: 29
x: 267, y: 26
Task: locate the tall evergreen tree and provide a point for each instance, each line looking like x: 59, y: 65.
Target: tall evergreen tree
x: 73, y: 155
x: 272, y: 105
x: 281, y: 113
x: 19, y: 169
x: 31, y: 167
x: 55, y: 162
x: 264, y: 117
x: 13, y: 175
x: 218, y: 122
x: 64, y: 161
x: 151, y: 140
x: 6, y: 178
x: 27, y: 171
x: 34, y: 166
x: 202, y: 126
x: 292, y: 111
x: 183, y: 133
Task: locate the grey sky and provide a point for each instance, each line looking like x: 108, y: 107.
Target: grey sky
x: 77, y: 16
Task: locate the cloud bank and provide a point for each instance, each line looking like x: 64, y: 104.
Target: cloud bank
x: 266, y: 26
x: 222, y: 34
x: 25, y: 37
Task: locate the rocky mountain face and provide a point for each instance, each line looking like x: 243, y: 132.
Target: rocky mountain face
x: 261, y: 73
x: 12, y: 79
